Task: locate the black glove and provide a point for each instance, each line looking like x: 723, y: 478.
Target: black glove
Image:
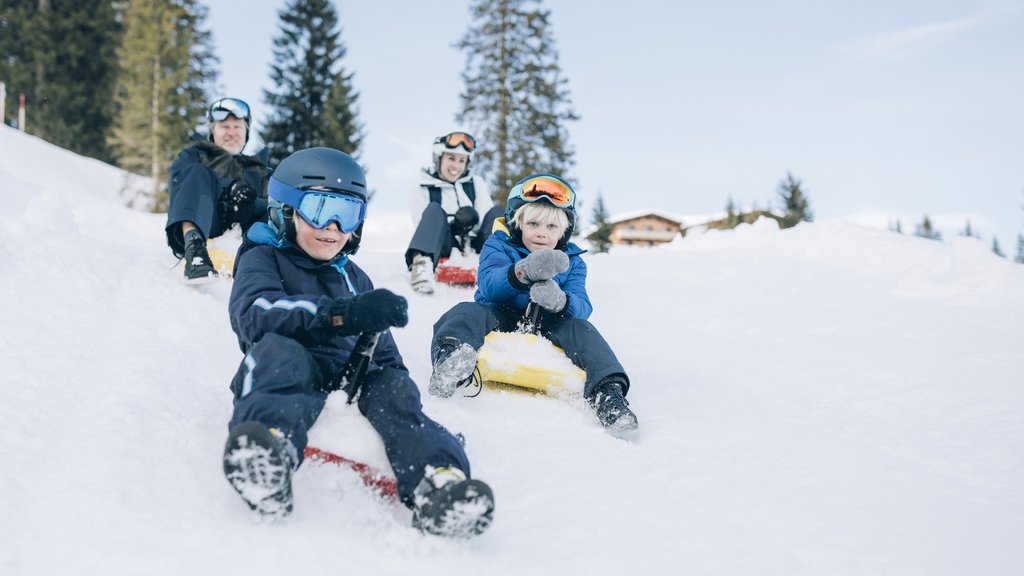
x: 374, y: 311
x: 466, y: 218
x: 238, y: 203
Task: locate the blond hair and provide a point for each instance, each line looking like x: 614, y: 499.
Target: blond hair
x: 541, y: 212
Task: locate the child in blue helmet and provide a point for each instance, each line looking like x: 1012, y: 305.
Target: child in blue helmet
x: 298, y: 306
x: 528, y: 258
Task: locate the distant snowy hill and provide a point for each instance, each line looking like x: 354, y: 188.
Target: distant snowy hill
x: 829, y: 399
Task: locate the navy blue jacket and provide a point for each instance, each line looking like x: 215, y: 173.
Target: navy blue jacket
x: 495, y: 289
x: 279, y: 289
x: 227, y: 167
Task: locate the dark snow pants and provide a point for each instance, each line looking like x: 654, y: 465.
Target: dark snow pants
x: 280, y: 384
x: 195, y: 194
x: 434, y: 236
x: 469, y: 323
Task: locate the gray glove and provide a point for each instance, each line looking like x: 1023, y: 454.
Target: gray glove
x: 548, y: 295
x: 543, y: 264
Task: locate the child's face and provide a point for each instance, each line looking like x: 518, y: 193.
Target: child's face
x: 320, y: 244
x: 538, y: 234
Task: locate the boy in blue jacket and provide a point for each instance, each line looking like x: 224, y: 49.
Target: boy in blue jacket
x: 528, y: 258
x: 298, y: 304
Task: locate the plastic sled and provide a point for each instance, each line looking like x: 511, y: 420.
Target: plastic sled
x: 527, y: 361
x: 459, y: 270
x: 371, y: 477
x: 222, y: 261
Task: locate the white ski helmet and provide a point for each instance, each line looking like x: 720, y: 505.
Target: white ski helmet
x: 454, y: 143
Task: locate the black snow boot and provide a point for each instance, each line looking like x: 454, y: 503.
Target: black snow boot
x: 258, y: 462
x: 446, y: 504
x: 612, y: 407
x: 198, y: 265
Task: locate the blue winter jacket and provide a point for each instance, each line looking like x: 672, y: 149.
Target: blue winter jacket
x: 495, y: 287
x: 278, y: 288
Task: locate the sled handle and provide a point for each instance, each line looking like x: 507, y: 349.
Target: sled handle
x: 358, y: 362
x: 531, y: 318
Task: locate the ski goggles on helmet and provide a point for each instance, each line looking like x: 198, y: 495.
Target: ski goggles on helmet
x: 555, y: 191
x: 221, y: 109
x: 321, y: 207
x: 456, y: 139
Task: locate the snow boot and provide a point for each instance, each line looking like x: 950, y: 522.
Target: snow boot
x: 613, y: 409
x: 421, y: 274
x: 258, y: 463
x: 455, y: 367
x: 446, y: 504
x: 198, y: 265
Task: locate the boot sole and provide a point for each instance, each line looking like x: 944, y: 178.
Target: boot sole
x: 257, y: 471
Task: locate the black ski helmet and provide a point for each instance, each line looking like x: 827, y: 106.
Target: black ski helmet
x: 321, y: 169
x: 221, y: 109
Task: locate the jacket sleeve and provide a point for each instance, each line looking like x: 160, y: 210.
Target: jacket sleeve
x: 574, y: 283
x: 187, y: 157
x: 418, y: 200
x: 492, y: 275
x: 259, y: 304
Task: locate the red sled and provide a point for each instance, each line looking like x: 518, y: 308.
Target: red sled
x: 373, y: 478
x: 456, y: 274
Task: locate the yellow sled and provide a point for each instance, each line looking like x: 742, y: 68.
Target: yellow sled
x: 528, y: 361
x: 222, y: 261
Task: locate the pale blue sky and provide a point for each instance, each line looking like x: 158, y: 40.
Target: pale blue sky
x: 882, y: 108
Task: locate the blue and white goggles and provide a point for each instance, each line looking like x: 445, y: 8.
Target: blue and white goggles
x: 321, y: 207
x: 221, y: 109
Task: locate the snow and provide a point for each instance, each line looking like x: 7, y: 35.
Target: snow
x: 828, y: 399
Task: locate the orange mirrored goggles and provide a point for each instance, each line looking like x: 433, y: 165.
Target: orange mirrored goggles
x: 556, y: 192
x: 456, y: 139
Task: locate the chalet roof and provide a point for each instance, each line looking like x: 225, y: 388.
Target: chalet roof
x: 637, y: 214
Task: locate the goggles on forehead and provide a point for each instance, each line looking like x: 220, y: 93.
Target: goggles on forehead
x: 321, y: 207
x: 220, y: 109
x: 456, y: 139
x: 555, y: 191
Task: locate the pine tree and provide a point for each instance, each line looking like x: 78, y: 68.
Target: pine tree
x: 314, y: 103
x: 601, y: 237
x: 167, y: 68
x: 968, y: 231
x: 19, y: 47
x: 995, y: 248
x: 896, y: 226
x: 795, y: 203
x: 1019, y: 259
x: 515, y: 100
x: 732, y: 217
x: 61, y: 55
x: 926, y: 230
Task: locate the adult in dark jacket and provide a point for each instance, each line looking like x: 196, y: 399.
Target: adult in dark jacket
x: 298, y: 305
x: 529, y: 259
x: 214, y: 186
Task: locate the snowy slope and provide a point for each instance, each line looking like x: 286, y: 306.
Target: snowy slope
x: 830, y: 399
